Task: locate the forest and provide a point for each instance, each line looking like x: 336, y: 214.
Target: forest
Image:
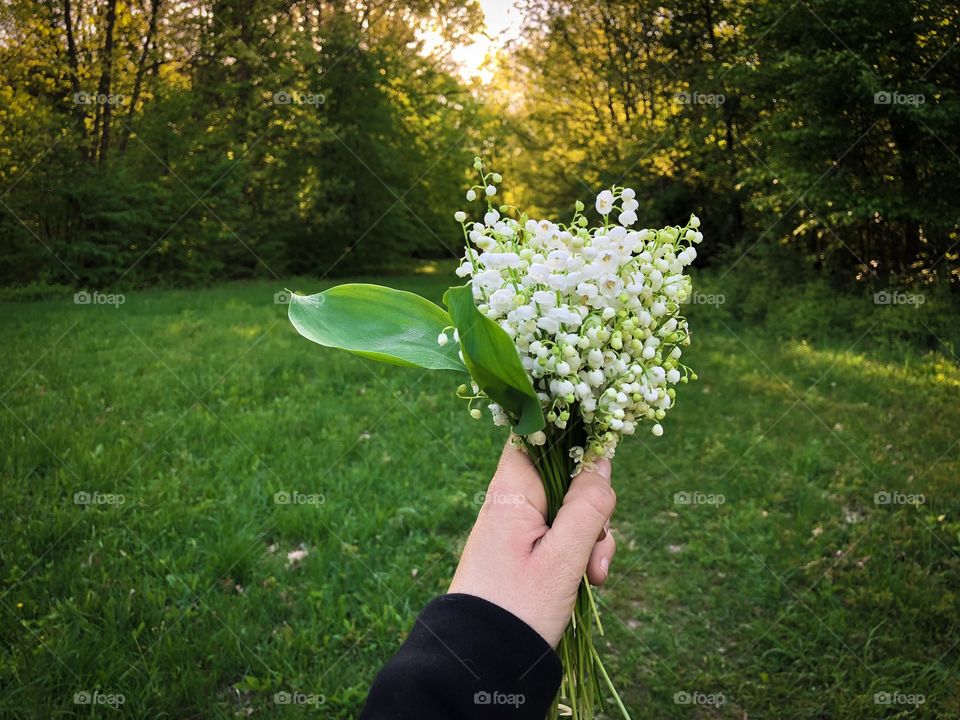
x: 180, y: 143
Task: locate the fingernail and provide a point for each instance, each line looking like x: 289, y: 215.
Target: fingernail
x: 605, y: 566
x: 602, y: 535
x: 602, y: 468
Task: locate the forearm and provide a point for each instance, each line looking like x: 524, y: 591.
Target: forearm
x: 466, y: 658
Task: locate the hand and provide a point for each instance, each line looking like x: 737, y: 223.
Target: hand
x: 515, y: 560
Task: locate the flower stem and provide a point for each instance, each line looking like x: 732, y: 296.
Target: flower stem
x: 583, y: 671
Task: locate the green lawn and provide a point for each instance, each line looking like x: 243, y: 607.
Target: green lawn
x: 797, y: 597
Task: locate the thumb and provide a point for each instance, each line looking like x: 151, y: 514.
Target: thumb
x: 587, y: 507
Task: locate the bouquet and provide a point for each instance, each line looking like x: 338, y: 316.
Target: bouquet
x: 570, y: 334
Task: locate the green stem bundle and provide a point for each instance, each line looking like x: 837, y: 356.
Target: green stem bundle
x: 584, y: 677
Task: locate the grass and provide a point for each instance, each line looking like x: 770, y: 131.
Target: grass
x: 797, y: 597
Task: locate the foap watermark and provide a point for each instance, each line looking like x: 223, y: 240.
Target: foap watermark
x: 298, y: 698
x: 98, y: 298
x: 895, y: 297
x: 97, y: 98
x: 699, y: 298
x: 298, y: 498
x: 898, y: 698
x: 499, y: 498
x: 285, y: 297
x: 97, y: 498
x: 886, y: 497
x: 894, y: 97
x: 482, y: 697
x: 95, y: 697
x: 699, y: 98
x: 695, y: 497
x: 294, y: 97
x: 683, y: 697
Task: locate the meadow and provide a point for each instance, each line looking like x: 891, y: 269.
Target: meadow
x: 206, y: 516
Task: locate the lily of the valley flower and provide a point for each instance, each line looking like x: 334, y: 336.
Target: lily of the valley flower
x: 594, y: 312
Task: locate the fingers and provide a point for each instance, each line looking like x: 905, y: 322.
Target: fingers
x: 598, y: 566
x: 517, y: 479
x: 586, y: 510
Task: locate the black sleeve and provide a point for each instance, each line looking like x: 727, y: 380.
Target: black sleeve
x: 466, y: 658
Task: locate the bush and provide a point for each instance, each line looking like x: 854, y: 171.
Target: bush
x: 40, y: 290
x: 789, y: 301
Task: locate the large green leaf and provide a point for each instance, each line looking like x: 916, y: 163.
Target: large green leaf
x: 377, y: 322
x: 493, y: 362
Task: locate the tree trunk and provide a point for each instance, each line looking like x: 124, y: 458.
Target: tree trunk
x: 904, y: 136
x: 73, y: 63
x: 103, y: 89
x: 736, y: 208
x: 141, y: 71
x: 71, y: 47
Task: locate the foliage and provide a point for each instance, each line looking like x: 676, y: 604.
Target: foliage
x: 794, y: 306
x: 216, y: 140
x: 378, y: 323
x: 830, y: 127
x: 491, y: 357
x: 175, y: 143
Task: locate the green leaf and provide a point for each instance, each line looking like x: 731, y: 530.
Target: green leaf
x: 376, y: 322
x: 493, y: 362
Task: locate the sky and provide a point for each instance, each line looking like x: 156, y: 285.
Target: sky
x: 502, y: 24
